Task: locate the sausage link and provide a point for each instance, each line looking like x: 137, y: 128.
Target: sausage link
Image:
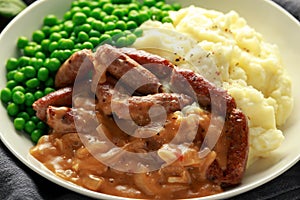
x: 125, y: 69
x: 61, y: 97
x: 80, y: 63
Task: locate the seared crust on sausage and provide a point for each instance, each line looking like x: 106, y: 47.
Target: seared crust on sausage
x: 159, y: 66
x: 236, y: 132
x: 61, y: 97
x: 193, y: 84
x: 125, y: 69
x: 137, y: 107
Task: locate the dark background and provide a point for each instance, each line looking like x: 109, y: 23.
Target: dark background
x: 17, y: 181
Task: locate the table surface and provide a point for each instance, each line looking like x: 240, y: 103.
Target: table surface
x: 17, y: 181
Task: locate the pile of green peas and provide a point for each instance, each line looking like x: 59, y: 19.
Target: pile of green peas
x: 87, y: 24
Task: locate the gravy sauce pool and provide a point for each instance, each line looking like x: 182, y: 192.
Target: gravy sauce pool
x: 67, y: 157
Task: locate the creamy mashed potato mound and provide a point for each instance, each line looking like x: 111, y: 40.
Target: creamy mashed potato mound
x: 231, y: 54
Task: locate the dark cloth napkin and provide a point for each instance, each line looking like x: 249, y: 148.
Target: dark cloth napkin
x: 17, y: 181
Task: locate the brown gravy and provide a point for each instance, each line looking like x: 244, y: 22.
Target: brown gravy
x: 67, y: 157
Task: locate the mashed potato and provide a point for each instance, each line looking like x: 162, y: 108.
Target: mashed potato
x: 224, y: 49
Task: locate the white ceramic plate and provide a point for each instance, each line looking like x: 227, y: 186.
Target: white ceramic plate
x: 273, y: 22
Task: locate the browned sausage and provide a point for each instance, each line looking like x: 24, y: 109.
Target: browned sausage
x: 79, y: 63
x: 67, y: 120
x: 61, y: 119
x: 236, y: 134
x: 159, y: 66
x: 61, y: 97
x: 192, y: 84
x: 138, y: 106
x: 122, y: 67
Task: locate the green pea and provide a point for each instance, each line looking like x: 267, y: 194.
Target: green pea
x: 40, y: 55
x: 53, y: 46
x: 43, y: 74
x: 110, y: 18
x: 24, y: 115
x: 166, y: 19
x: 95, y: 41
x: 138, y: 32
x: 103, y: 2
x: 131, y: 25
x: 22, y: 42
x: 98, y: 26
x: 121, y: 25
x: 29, y: 72
x: 82, y: 36
x: 96, y: 13
x: 45, y: 44
x: 38, y: 36
x: 109, y: 26
x: 160, y: 4
x: 12, y: 109
x: 65, y: 44
x: 83, y: 3
x: 19, y: 123
x: 94, y: 33
x: 18, y: 97
x: 133, y: 6
x: 37, y: 63
x: 11, y: 84
x: 19, y: 76
x: 130, y: 39
x: 10, y: 75
x: 18, y: 88
x: 108, y: 8
x: 11, y: 64
x: 176, y: 6
x: 48, y: 90
x: 46, y: 30
x: 85, y: 27
x: 52, y: 64
x: 68, y: 26
x: 86, y: 10
x: 64, y: 34
x: 55, y: 29
x: 55, y: 36
x: 6, y: 95
x: 142, y: 17
x: 105, y: 39
x: 149, y: 3
x: 29, y: 99
x: 35, y: 119
x: 38, y: 94
x: 79, y: 18
x: 29, y: 51
x: 36, y: 135
x: 87, y: 45
x: 50, y: 20
x: 75, y: 9
x: 119, y: 13
x: 29, y: 126
x: 133, y: 15
x: 32, y: 83
x: 23, y: 61
x: 121, y: 42
x: 167, y: 7
x: 68, y: 15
